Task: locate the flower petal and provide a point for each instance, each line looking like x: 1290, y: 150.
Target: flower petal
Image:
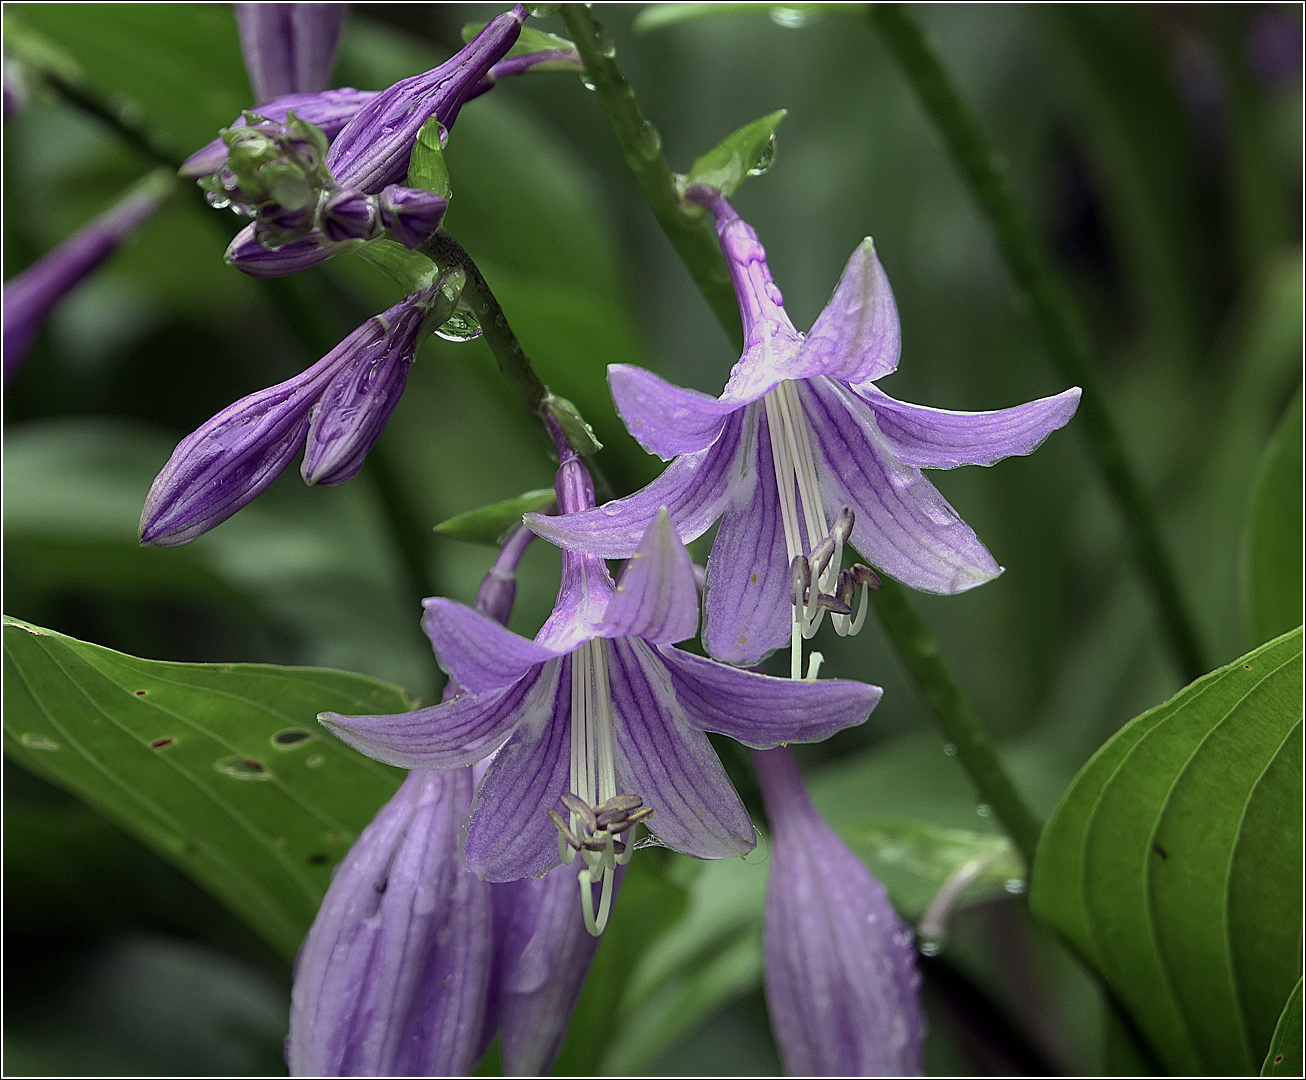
x: 762, y: 711
x: 479, y: 652
x: 657, y: 599
x: 746, y: 608
x: 453, y: 733
x: 508, y: 834
x: 583, y: 597
x: 856, y: 339
x: 903, y: 525
x: 665, y: 419
x: 392, y: 978
x: 939, y: 439
x: 668, y: 763
x: 693, y: 488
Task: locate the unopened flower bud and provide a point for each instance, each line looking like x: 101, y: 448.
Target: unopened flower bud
x: 411, y: 215
x: 247, y: 255
x: 349, y: 215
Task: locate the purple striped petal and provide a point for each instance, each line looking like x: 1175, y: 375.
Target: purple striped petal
x: 509, y: 835
x: 666, y: 420
x: 583, y: 597
x: 393, y: 976
x: 856, y: 339
x: 456, y: 732
x: 903, y: 525
x: 657, y: 599
x: 667, y: 762
x: 693, y: 488
x: 762, y: 711
x: 939, y: 439
x: 289, y: 48
x: 746, y: 607
x: 477, y: 651
x: 250, y: 257
x: 841, y: 981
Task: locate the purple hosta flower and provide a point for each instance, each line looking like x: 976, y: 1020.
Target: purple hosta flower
x: 600, y: 716
x: 289, y: 48
x: 841, y: 981
x: 801, y: 454
x: 340, y: 405
x: 393, y: 977
x: 30, y: 296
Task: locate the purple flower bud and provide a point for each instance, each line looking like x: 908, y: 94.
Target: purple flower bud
x: 373, y: 149
x: 289, y: 48
x: 30, y: 296
x: 329, y: 110
x: 277, y: 225
x: 499, y: 587
x: 349, y: 215
x: 392, y: 978
x: 841, y: 981
x: 247, y: 255
x: 411, y: 215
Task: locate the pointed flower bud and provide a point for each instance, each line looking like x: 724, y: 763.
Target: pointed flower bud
x: 29, y: 297
x: 289, y: 48
x: 250, y: 257
x: 841, y: 981
x: 349, y: 215
x: 277, y: 164
x: 411, y: 215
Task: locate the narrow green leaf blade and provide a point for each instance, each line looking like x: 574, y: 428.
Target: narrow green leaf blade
x: 1284, y: 1058
x: 1177, y: 852
x: 748, y: 151
x: 221, y: 768
x: 1274, y: 537
x: 488, y: 524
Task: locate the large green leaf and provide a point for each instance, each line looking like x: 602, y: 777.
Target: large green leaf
x: 1274, y: 538
x: 1173, y: 864
x: 1284, y: 1058
x: 220, y: 768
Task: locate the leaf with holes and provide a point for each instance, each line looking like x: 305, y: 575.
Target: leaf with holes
x: 219, y: 767
x: 1173, y: 863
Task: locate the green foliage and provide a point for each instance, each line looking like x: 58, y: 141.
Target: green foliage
x: 221, y: 768
x: 530, y: 41
x: 1173, y: 864
x: 1284, y: 1057
x: 1273, y: 547
x: 746, y: 152
x: 426, y: 168
x: 488, y: 524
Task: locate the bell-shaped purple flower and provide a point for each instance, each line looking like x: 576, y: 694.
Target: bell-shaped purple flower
x: 30, y: 296
x: 801, y: 454
x: 841, y: 981
x: 228, y: 461
x: 289, y: 48
x: 411, y: 215
x: 393, y: 977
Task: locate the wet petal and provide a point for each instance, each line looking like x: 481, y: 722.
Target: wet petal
x: 479, y: 652
x: 693, y: 488
x: 762, y: 711
x: 939, y: 439
x: 746, y: 608
x: 454, y: 733
x: 856, y: 339
x: 657, y: 599
x: 670, y: 764
x: 665, y: 419
x: 904, y: 526
x: 509, y: 835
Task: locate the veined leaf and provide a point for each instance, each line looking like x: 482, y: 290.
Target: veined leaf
x: 1274, y: 538
x: 488, y: 524
x: 1173, y: 863
x: 1284, y: 1058
x: 221, y: 768
x: 746, y: 152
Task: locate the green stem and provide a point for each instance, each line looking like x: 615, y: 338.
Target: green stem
x: 118, y: 119
x: 910, y: 636
x: 687, y: 226
x: 918, y: 650
x: 1064, y: 333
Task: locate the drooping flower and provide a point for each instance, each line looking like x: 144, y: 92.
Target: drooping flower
x: 801, y: 454
x: 30, y: 296
x: 841, y: 981
x: 289, y: 48
x: 340, y: 405
x: 599, y: 716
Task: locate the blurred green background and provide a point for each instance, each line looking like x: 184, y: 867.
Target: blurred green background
x: 1158, y: 150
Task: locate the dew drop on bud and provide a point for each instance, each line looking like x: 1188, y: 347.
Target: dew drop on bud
x: 930, y: 946
x: 1015, y: 886
x: 983, y: 809
x: 462, y: 326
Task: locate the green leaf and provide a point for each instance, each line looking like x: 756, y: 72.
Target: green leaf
x: 1173, y: 863
x: 913, y: 860
x: 488, y: 524
x: 411, y: 269
x: 658, y: 16
x: 535, y: 41
x: 221, y: 768
x: 426, y: 168
x: 579, y: 433
x: 1284, y: 1058
x: 747, y: 152
x: 1274, y: 538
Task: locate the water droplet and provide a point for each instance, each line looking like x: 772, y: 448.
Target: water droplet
x: 765, y: 159
x: 314, y: 761
x: 1015, y: 886
x: 649, y: 141
x: 37, y: 742
x: 983, y: 809
x: 243, y: 768
x: 604, y: 44
x: 586, y: 81
x: 793, y: 18
x: 291, y: 737
x: 462, y: 326
x: 950, y: 749
x: 930, y: 946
